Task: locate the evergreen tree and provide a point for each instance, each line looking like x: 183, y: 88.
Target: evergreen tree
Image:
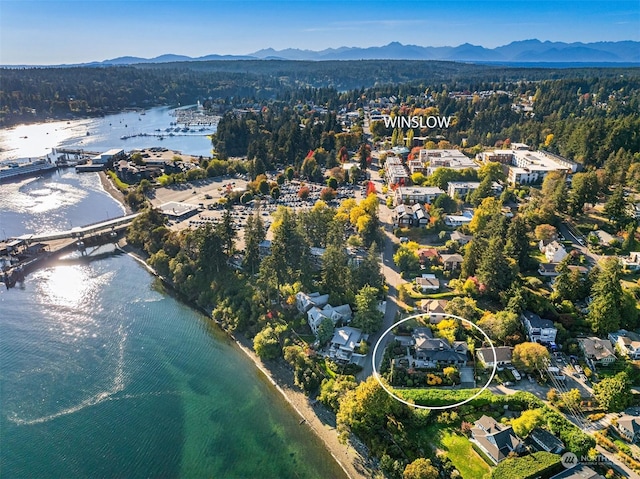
x: 617, y: 209
x: 254, y: 234
x: 604, y: 311
x: 367, y: 316
x: 517, y: 244
x: 494, y: 270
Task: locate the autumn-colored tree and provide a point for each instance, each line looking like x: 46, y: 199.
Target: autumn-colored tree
x: 545, y: 232
x: 530, y: 356
x: 303, y: 192
x: 421, y: 468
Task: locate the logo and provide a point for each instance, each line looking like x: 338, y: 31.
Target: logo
x: 569, y: 460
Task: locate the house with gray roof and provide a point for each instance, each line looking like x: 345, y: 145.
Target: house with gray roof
x: 496, y: 440
x: 502, y: 356
x: 629, y: 427
x: 538, y: 329
x: 597, y: 350
x: 344, y: 343
x: 543, y: 440
x: 579, y: 471
x: 433, y: 352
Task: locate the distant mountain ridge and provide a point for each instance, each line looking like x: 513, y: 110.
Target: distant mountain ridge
x: 523, y: 51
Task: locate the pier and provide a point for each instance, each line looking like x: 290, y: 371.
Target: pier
x: 27, y: 253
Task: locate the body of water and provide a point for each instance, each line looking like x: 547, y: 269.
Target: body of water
x: 102, y: 134
x: 105, y: 375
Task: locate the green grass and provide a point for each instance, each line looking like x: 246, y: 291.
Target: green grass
x: 463, y: 456
x: 121, y: 185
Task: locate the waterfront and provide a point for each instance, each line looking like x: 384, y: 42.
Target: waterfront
x: 105, y: 375
x: 102, y: 134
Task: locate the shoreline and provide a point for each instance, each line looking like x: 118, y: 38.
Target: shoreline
x: 314, y: 414
x: 110, y: 189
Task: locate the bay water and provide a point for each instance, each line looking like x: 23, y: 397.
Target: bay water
x: 103, y: 374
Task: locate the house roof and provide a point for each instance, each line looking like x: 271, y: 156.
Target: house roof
x: 428, y: 252
x: 433, y: 305
x: 503, y: 354
x: 580, y: 471
x: 546, y: 440
x: 498, y: 440
x: 630, y: 423
x: 346, y: 337
x: 596, y: 348
x: 428, y: 282
x: 536, y: 321
x: 460, y: 237
x: 548, y: 267
x: 451, y: 258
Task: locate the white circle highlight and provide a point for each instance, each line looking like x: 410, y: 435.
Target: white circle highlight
x: 444, y: 315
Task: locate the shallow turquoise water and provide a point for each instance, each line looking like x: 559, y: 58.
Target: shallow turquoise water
x: 102, y: 374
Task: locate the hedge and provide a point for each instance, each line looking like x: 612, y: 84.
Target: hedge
x: 538, y: 464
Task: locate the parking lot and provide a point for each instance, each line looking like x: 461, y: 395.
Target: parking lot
x: 206, y: 194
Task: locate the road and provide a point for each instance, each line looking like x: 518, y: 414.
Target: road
x: 391, y: 275
x: 579, y: 242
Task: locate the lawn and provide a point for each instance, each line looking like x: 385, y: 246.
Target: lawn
x: 463, y: 457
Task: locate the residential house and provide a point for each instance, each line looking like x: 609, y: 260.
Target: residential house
x: 433, y: 352
x: 597, y: 350
x: 344, y: 343
x: 304, y: 301
x: 427, y: 254
x: 462, y: 239
x: 434, y: 308
x: 543, y: 440
x: 579, y: 471
x: 402, y: 216
x: 631, y: 262
x: 409, y: 195
x: 539, y: 330
x: 451, y: 261
x: 554, y: 252
x: 548, y: 269
x: 502, y: 356
x: 410, y: 215
x: 496, y: 440
x: 629, y: 345
x: 455, y: 221
x: 336, y: 314
x: 428, y: 282
x: 629, y: 427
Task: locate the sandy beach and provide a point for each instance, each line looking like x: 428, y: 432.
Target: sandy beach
x: 110, y: 188
x: 314, y: 415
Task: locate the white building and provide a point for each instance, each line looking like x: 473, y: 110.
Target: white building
x: 554, y: 252
x: 316, y: 315
x: 452, y: 159
x: 458, y: 220
x: 539, y: 330
x: 525, y: 167
x: 416, y: 194
x: 344, y: 343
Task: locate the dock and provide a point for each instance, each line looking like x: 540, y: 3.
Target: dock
x: 27, y: 253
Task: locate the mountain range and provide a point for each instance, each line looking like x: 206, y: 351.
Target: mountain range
x: 518, y: 52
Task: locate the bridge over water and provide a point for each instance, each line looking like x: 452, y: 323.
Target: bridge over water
x: 80, y: 231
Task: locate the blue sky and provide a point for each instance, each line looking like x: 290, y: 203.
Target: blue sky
x: 56, y: 32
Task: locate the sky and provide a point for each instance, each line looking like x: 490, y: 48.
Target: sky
x: 56, y: 32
